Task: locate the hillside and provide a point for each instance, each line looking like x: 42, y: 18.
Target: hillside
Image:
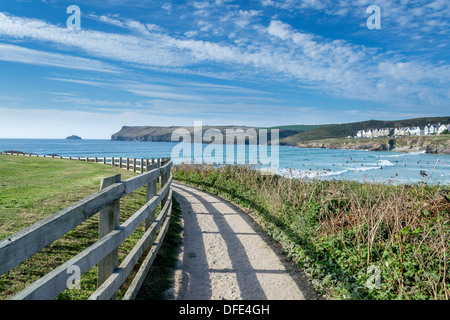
x: 289, y: 135
x: 164, y: 134
x: 350, y: 129
x: 160, y: 134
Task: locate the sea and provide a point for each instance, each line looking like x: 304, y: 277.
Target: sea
x: 296, y: 163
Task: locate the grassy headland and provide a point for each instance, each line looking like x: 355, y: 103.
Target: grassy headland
x: 33, y: 188
x: 332, y: 136
x: 337, y: 230
x: 288, y: 134
x: 429, y: 144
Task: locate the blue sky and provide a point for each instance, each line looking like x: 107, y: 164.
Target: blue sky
x: 255, y: 63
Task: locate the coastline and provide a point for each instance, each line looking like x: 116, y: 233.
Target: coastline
x: 422, y: 144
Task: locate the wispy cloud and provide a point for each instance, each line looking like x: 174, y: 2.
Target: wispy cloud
x: 155, y: 49
x: 13, y: 53
x: 224, y: 40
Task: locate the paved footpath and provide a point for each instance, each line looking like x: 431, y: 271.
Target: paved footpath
x: 224, y: 256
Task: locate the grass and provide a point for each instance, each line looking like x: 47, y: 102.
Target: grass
x: 34, y: 188
x: 160, y: 276
x: 337, y: 231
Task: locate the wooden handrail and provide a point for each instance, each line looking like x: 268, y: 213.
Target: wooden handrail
x: 20, y: 246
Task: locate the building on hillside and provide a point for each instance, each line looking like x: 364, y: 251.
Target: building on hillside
x: 414, y: 131
x: 368, y: 133
x: 422, y: 131
x: 374, y: 133
x: 405, y: 131
x: 430, y: 129
x: 442, y: 128
x: 385, y: 132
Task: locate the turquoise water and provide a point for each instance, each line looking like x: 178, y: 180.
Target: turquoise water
x: 391, y: 167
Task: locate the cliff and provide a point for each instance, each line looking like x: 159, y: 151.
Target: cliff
x: 427, y: 144
x: 161, y: 134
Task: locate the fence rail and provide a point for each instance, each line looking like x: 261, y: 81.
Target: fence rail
x: 134, y: 164
x: 23, y: 244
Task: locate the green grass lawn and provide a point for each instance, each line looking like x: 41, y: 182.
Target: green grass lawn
x: 33, y: 188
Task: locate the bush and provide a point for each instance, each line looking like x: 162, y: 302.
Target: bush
x: 338, y: 230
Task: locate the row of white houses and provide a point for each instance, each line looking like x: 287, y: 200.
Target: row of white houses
x: 430, y: 129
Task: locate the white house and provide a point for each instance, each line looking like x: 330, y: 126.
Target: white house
x: 442, y: 128
x: 405, y: 131
x: 414, y: 131
x: 422, y: 131
x: 386, y: 132
x: 431, y: 129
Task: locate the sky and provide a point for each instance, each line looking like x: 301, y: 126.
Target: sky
x: 257, y: 63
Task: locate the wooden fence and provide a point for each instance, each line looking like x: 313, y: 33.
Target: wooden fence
x: 134, y: 164
x: 20, y: 246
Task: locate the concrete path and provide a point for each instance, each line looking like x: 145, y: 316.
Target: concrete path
x: 224, y: 256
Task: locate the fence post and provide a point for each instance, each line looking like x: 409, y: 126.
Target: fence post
x: 164, y: 179
x: 168, y: 175
x: 158, y: 164
x: 109, y: 220
x: 120, y: 164
x: 151, y: 192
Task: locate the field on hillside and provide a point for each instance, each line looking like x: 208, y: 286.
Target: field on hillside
x: 33, y: 188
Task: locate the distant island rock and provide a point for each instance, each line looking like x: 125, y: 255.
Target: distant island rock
x: 73, y: 137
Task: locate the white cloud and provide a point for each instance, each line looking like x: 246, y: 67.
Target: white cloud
x: 109, y: 20
x: 19, y: 54
x: 167, y: 6
x: 336, y: 67
x: 405, y: 16
x: 155, y: 49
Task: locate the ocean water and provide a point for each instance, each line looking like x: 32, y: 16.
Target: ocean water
x: 369, y: 166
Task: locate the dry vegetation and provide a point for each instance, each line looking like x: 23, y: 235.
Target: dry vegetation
x: 337, y: 230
